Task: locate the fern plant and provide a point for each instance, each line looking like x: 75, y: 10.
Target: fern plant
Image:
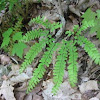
x: 95, y: 17
x: 11, y: 38
x: 67, y: 51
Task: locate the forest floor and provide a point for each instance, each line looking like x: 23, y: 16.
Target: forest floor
x: 13, y: 85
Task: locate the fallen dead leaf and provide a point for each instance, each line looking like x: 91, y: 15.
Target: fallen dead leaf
x: 5, y: 59
x: 65, y: 91
x: 36, y: 97
x: 15, y: 67
x: 20, y: 78
x: 90, y: 85
x: 4, y: 77
x: 94, y: 98
x: 20, y: 95
x: 6, y: 91
x: 74, y: 10
x: 98, y: 95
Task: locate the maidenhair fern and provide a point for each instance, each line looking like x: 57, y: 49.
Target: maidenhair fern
x: 67, y: 50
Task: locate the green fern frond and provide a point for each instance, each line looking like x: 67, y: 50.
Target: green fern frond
x: 76, y: 28
x: 85, y: 26
x: 88, y: 24
x: 90, y: 48
x: 44, y: 62
x: 37, y: 75
x: 32, y: 53
x: 6, y: 37
x: 88, y: 15
x: 47, y: 57
x: 95, y: 17
x: 2, y: 4
x: 60, y: 65
x: 18, y: 25
x: 11, y: 4
x: 72, y: 68
x: 31, y: 35
x: 96, y: 27
x: 69, y: 33
x: 44, y: 22
x: 98, y: 14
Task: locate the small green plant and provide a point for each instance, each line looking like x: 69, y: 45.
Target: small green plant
x: 11, y: 38
x: 15, y: 7
x: 89, y: 15
x: 3, y: 4
x: 67, y: 52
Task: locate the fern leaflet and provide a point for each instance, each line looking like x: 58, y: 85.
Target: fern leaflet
x: 31, y: 35
x: 60, y: 65
x: 90, y: 48
x: 72, y: 68
x: 45, y: 23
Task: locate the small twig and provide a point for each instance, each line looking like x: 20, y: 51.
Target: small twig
x: 60, y: 11
x: 14, y: 60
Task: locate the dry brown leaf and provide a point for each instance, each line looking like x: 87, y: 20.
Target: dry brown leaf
x: 20, y: 78
x: 51, y: 16
x: 7, y: 91
x: 74, y: 10
x: 65, y: 92
x: 5, y: 59
x: 15, y: 67
x: 89, y: 85
x: 98, y: 95
x: 36, y: 97
x: 29, y: 96
x: 69, y: 26
x: 4, y: 77
x: 94, y: 98
x: 29, y: 71
x: 20, y: 95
